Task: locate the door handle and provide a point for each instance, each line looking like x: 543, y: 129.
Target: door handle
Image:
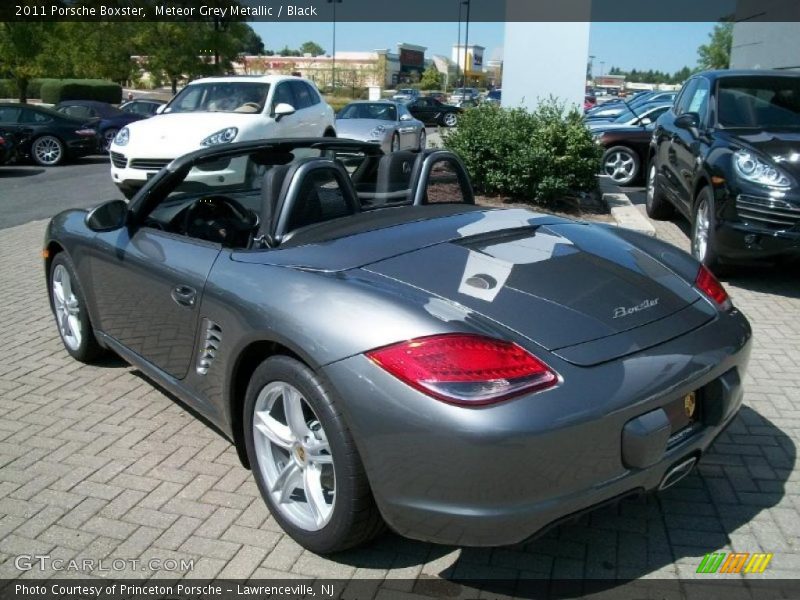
x: 184, y: 295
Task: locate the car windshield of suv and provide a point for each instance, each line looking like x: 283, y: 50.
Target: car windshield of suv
x: 382, y: 112
x: 221, y: 96
x: 759, y: 102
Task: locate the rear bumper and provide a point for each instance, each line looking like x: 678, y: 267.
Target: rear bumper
x: 498, y: 475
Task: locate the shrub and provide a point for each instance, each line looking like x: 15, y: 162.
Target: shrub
x: 8, y: 88
x: 537, y: 156
x: 54, y: 91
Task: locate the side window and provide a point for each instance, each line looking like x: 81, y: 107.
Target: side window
x: 699, y: 102
x: 301, y: 94
x: 189, y: 101
x: 9, y: 114
x: 78, y: 111
x: 312, y: 94
x: 31, y: 116
x: 685, y: 97
x: 403, y: 112
x: 283, y: 95
x: 446, y: 185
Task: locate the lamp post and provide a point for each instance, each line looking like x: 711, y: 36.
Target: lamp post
x: 333, y: 53
x: 466, y: 43
x: 458, y: 39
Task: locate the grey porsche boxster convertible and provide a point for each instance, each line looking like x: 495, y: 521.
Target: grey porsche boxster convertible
x: 382, y: 351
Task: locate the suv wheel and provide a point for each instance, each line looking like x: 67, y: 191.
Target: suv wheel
x: 657, y: 206
x: 704, y: 239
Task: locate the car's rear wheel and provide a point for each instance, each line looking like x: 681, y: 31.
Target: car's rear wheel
x: 450, y: 119
x: 621, y: 164
x: 69, y: 308
x: 704, y: 239
x: 47, y: 151
x: 108, y: 137
x: 395, y: 143
x: 657, y: 206
x: 423, y: 140
x: 304, y: 459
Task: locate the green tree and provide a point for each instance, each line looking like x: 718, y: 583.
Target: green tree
x: 21, y: 52
x: 89, y: 50
x: 312, y: 48
x: 716, y: 54
x: 174, y: 48
x: 251, y: 42
x: 431, y: 79
x: 286, y: 51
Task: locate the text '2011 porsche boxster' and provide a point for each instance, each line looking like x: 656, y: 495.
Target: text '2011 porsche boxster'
x: 383, y: 351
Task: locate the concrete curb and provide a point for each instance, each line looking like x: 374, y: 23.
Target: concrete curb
x: 627, y: 215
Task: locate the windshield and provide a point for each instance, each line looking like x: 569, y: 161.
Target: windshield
x: 380, y: 111
x: 407, y: 91
x: 762, y: 102
x: 221, y: 96
x: 624, y: 117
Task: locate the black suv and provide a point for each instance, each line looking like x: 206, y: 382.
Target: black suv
x: 727, y: 156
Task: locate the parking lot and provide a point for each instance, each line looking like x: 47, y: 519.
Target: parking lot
x: 96, y: 462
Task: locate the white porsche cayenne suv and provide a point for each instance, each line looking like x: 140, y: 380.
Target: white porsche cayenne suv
x: 218, y: 110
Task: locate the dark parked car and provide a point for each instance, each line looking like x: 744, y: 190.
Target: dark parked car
x: 46, y: 136
x: 432, y: 111
x: 727, y: 156
x: 381, y: 349
x: 146, y: 108
x: 626, y: 149
x: 611, y: 111
x: 109, y: 118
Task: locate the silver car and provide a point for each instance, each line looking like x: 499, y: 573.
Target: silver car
x: 383, y: 122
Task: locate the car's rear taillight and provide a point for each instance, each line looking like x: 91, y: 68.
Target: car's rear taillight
x: 465, y: 369
x: 711, y: 287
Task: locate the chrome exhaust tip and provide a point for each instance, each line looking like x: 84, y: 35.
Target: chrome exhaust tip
x: 677, y: 472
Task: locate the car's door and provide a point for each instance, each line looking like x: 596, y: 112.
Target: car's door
x: 309, y: 117
x: 686, y: 144
x: 288, y: 125
x: 147, y: 286
x: 427, y: 109
x: 666, y: 133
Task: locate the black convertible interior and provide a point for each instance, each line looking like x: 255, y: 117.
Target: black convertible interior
x: 275, y: 198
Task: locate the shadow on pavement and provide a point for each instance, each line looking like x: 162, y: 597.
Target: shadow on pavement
x: 19, y: 171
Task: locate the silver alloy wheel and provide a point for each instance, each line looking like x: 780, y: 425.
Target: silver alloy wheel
x: 67, y: 308
x: 700, y: 231
x: 47, y: 150
x: 423, y: 140
x: 294, y: 456
x: 619, y: 166
x: 651, y: 185
x: 450, y: 119
x: 108, y: 137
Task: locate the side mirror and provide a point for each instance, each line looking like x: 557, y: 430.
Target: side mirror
x: 108, y: 216
x: 645, y: 121
x: 283, y: 110
x: 160, y: 108
x: 689, y: 121
x: 405, y: 117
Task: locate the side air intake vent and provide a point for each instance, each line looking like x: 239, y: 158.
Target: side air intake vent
x: 211, y: 343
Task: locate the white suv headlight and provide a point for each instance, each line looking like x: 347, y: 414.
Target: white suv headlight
x: 378, y: 131
x: 223, y: 136
x: 751, y: 168
x: 122, y: 137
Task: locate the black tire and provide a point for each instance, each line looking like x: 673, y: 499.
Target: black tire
x: 450, y: 119
x: 108, y: 137
x: 423, y: 140
x: 703, y: 210
x: 395, y: 143
x: 631, y: 161
x: 658, y: 207
x: 87, y: 350
x: 48, y: 151
x: 355, y: 519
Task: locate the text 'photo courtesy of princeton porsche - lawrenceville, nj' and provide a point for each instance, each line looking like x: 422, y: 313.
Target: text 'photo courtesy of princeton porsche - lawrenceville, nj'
x: 375, y: 300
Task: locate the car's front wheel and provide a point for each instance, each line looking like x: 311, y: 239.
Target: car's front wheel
x: 657, y: 206
x: 108, y: 137
x: 450, y: 119
x: 69, y: 308
x: 423, y: 140
x: 304, y: 459
x: 395, y: 143
x: 704, y: 238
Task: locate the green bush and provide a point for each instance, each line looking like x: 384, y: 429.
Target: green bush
x: 54, y: 91
x: 8, y: 88
x: 537, y: 156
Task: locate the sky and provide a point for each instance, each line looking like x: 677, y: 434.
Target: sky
x: 659, y: 46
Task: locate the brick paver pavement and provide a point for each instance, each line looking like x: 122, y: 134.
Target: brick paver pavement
x: 95, y: 462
